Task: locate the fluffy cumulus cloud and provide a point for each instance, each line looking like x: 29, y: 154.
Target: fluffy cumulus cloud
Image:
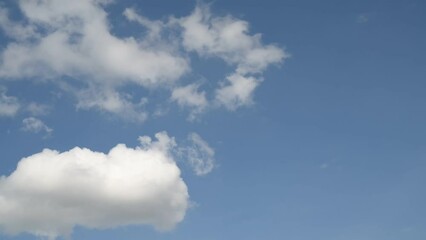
x: 51, y: 192
x: 71, y: 43
x: 72, y: 46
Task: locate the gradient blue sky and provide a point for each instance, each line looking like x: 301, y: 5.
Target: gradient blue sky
x: 333, y: 147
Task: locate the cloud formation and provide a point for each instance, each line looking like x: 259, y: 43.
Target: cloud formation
x: 228, y: 38
x: 237, y: 92
x: 35, y: 125
x: 73, y: 39
x: 37, y: 109
x: 78, y: 42
x: 71, y: 44
x: 9, y: 106
x: 189, y: 96
x: 51, y: 192
x: 199, y: 155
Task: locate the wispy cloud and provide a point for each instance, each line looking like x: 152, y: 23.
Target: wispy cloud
x: 37, y: 109
x: 199, y: 155
x: 190, y: 96
x: 362, y: 18
x: 9, y: 105
x: 35, y: 125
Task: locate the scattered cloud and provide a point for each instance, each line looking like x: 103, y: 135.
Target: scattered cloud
x: 37, y: 109
x: 199, y: 155
x: 78, y: 42
x: 237, y: 91
x: 70, y: 43
x: 112, y: 101
x: 73, y: 39
x: 228, y: 38
x: 9, y: 106
x: 35, y: 125
x: 189, y: 96
x: 140, y: 185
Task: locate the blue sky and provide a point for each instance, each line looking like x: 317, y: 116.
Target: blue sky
x: 320, y: 135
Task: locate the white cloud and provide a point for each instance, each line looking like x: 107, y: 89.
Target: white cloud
x: 112, y: 101
x: 78, y: 43
x: 200, y: 155
x: 74, y: 40
x: 51, y: 192
x: 71, y: 44
x: 237, y: 91
x: 228, y: 38
x: 189, y: 96
x: 37, y: 109
x: 9, y: 106
x: 15, y: 30
x: 154, y: 27
x: 35, y: 125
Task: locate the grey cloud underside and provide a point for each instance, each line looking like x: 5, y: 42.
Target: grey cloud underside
x: 73, y: 39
